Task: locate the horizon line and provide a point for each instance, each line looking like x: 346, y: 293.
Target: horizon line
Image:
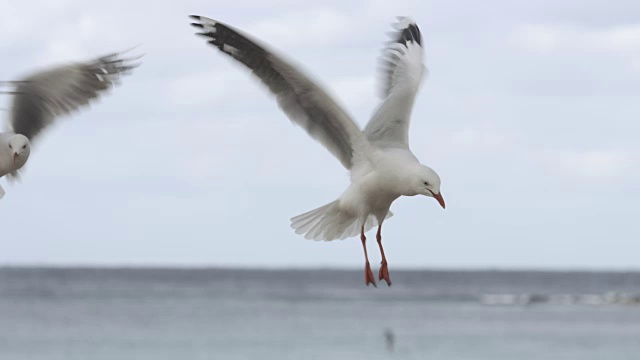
x: 202, y: 267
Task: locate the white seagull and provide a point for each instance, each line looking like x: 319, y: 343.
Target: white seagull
x: 382, y: 166
x: 42, y: 97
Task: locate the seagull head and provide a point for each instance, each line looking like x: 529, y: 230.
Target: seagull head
x: 20, y: 148
x: 427, y: 182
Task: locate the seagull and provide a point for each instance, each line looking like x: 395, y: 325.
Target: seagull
x: 382, y: 167
x: 42, y: 97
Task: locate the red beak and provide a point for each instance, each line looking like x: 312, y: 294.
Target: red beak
x: 438, y: 197
x: 15, y: 157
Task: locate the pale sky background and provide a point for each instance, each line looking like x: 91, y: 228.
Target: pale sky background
x: 530, y: 114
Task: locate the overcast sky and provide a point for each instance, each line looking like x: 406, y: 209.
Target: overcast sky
x: 530, y: 115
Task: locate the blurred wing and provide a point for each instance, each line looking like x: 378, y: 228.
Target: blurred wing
x: 401, y: 74
x: 42, y: 97
x: 302, y: 100
x: 14, y: 177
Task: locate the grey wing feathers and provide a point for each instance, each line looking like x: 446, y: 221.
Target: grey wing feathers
x: 395, y: 50
x: 305, y: 103
x: 401, y: 73
x: 45, y: 95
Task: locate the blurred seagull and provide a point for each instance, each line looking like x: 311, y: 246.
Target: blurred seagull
x: 382, y: 166
x: 40, y: 98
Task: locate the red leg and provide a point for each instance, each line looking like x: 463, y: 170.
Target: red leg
x: 384, y: 270
x: 368, y: 274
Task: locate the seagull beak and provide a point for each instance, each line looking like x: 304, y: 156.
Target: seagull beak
x: 438, y: 197
x: 15, y: 157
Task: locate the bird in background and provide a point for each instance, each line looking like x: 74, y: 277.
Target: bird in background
x: 382, y: 166
x: 43, y: 97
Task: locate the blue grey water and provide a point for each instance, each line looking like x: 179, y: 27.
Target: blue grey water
x: 259, y: 314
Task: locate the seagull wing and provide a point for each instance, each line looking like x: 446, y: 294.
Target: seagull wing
x: 401, y: 74
x: 301, y: 99
x: 46, y: 95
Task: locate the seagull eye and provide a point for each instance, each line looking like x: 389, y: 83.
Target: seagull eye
x: 10, y: 147
x: 24, y: 146
x: 426, y: 183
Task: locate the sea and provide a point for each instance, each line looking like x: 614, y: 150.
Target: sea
x: 155, y: 314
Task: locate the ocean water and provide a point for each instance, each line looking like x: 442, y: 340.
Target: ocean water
x: 159, y: 314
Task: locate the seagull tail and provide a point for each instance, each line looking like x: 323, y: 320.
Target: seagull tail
x: 330, y: 222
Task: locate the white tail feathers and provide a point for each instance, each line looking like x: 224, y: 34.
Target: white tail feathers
x: 330, y: 222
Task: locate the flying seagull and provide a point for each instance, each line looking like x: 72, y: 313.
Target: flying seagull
x: 42, y: 97
x: 382, y: 166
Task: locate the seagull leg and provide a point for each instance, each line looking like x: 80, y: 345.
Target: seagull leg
x: 368, y: 274
x: 384, y: 270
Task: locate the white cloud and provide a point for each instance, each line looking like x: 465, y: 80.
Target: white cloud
x: 539, y: 38
x: 210, y: 87
x: 479, y: 138
x: 354, y: 91
x: 310, y: 27
x: 214, y: 87
x: 590, y: 164
x: 549, y: 38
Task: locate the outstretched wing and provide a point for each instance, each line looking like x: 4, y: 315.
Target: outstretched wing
x: 302, y: 100
x: 401, y: 73
x: 44, y: 96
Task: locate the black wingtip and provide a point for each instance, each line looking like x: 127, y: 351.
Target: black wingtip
x: 195, y: 17
x: 408, y: 31
x: 205, y: 35
x: 11, y: 92
x: 198, y: 25
x: 14, y: 82
x: 412, y: 32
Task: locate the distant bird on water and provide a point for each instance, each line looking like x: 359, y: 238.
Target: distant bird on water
x: 390, y: 339
x: 382, y: 166
x: 41, y: 98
